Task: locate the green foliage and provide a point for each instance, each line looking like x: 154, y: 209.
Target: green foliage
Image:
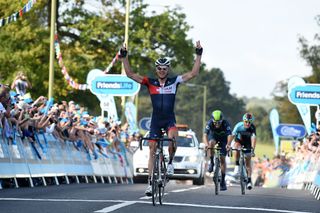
x: 189, y: 105
x: 90, y: 38
x: 262, y: 123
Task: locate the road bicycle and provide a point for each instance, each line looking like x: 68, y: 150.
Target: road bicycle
x: 242, y: 169
x: 217, y: 168
x: 159, y: 176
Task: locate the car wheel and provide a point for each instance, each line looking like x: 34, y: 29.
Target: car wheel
x: 199, y: 181
x: 140, y: 179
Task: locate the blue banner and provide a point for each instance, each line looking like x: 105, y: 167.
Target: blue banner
x: 111, y: 84
x: 274, y: 121
x: 116, y: 85
x: 305, y: 94
x: 145, y: 123
x: 291, y: 131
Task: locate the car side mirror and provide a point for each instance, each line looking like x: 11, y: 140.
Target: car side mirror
x: 201, y: 146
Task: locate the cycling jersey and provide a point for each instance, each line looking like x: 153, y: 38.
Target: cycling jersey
x: 243, y: 135
x: 162, y: 99
x: 219, y: 134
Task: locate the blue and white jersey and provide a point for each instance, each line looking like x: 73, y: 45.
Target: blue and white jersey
x: 243, y: 134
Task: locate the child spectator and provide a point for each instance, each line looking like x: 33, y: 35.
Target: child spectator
x: 21, y: 84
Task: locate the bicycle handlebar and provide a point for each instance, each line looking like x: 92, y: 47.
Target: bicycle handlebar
x: 216, y: 147
x: 239, y: 149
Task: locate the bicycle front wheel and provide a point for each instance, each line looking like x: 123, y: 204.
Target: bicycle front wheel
x: 216, y: 176
x: 161, y: 183
x: 242, y: 177
x: 155, y: 177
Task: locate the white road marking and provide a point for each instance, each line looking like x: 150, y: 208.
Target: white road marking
x: 147, y: 202
x: 174, y: 191
x: 115, y: 207
x: 149, y: 197
x: 187, y: 189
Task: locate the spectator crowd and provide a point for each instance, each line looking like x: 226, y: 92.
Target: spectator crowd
x: 24, y: 117
x: 303, y: 160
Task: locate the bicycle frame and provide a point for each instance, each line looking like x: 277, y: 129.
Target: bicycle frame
x: 159, y: 171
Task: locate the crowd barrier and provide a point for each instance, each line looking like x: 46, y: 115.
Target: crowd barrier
x: 304, y: 174
x: 49, y: 158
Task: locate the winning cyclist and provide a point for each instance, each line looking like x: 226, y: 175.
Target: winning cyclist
x: 162, y: 91
x: 244, y: 134
x: 217, y: 130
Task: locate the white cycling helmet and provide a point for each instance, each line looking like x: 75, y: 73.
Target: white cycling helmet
x: 162, y: 62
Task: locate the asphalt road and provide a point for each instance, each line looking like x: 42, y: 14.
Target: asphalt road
x: 129, y: 198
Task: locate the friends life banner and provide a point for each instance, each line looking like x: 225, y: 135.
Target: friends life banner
x: 304, y: 109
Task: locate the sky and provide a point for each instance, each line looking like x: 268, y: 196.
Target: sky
x: 254, y: 42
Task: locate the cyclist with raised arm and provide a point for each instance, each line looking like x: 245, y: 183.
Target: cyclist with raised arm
x: 244, y: 134
x: 217, y: 130
x: 162, y: 92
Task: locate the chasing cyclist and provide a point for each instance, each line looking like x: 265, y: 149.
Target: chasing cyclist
x: 162, y: 92
x: 244, y: 134
x: 217, y: 130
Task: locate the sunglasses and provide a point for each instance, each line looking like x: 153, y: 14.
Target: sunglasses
x: 247, y: 122
x: 217, y: 122
x: 162, y: 68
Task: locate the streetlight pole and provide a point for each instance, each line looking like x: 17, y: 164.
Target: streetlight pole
x: 204, y: 109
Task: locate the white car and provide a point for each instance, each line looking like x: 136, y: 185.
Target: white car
x: 189, y: 161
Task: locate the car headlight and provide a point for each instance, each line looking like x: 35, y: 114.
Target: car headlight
x: 191, y: 159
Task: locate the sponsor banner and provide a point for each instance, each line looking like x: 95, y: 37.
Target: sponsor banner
x: 274, y: 121
x: 131, y: 114
x: 305, y: 94
x: 303, y: 108
x: 111, y: 84
x: 291, y: 130
x: 145, y: 123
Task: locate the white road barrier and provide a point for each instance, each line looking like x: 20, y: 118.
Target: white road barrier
x: 51, y: 158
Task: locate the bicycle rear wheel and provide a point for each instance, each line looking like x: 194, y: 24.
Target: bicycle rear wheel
x: 216, y: 176
x: 242, y: 177
x: 155, y: 178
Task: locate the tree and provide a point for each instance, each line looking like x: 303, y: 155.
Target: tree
x: 88, y: 40
x: 190, y: 100
x: 311, y: 54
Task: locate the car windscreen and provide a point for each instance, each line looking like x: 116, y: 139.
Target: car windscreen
x: 182, y: 141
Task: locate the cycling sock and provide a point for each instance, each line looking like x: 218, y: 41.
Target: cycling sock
x: 170, y: 161
x: 211, y: 160
x: 237, y: 163
x: 249, y: 179
x: 149, y: 181
x: 223, y: 175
